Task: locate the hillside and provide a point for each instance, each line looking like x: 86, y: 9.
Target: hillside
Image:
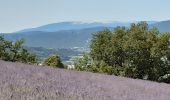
x: 70, y: 34
x: 163, y: 26
x: 42, y: 53
x: 19, y: 81
x: 58, y: 39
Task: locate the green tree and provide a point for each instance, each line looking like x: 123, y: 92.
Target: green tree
x: 137, y: 51
x: 14, y: 51
x: 86, y: 63
x: 26, y: 57
x: 53, y: 61
x: 5, y: 47
x: 83, y: 63
x: 145, y: 48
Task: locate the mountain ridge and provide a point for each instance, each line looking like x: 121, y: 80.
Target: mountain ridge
x: 58, y: 39
x: 71, y: 36
x: 163, y: 26
x: 53, y: 27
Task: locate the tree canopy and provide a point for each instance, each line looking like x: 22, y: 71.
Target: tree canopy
x: 136, y: 52
x: 53, y: 61
x: 14, y: 51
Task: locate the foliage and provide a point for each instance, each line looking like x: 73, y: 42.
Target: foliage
x: 82, y: 64
x: 136, y: 52
x: 13, y: 51
x: 87, y: 64
x: 53, y: 61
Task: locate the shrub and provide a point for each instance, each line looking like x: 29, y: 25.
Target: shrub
x: 53, y: 61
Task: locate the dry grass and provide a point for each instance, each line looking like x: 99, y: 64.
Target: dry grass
x: 26, y: 82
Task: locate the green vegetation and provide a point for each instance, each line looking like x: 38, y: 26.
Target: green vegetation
x: 42, y: 53
x: 136, y: 52
x: 15, y: 52
x: 53, y: 61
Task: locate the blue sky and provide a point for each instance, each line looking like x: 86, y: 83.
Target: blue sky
x: 19, y: 14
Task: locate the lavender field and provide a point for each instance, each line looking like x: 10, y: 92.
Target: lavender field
x: 25, y: 82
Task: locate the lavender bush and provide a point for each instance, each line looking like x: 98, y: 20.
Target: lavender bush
x: 25, y: 82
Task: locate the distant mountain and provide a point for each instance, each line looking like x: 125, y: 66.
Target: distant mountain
x: 58, y: 39
x: 70, y: 34
x: 71, y: 26
x: 163, y: 26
